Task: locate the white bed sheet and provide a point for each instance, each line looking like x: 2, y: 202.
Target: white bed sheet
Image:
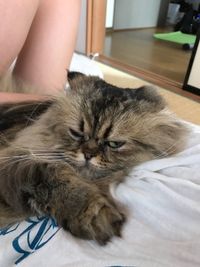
x: 163, y: 226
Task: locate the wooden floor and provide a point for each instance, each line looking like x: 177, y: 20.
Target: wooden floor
x: 139, y: 48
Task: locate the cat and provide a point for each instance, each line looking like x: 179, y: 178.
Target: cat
x: 59, y: 156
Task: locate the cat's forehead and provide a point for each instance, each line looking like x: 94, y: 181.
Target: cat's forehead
x: 105, y: 122
x: 111, y: 92
x: 107, y: 100
x: 103, y: 95
x: 105, y: 108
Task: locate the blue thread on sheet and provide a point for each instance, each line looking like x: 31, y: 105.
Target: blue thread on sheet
x: 36, y: 234
x: 9, y: 229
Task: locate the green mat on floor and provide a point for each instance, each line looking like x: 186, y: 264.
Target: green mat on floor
x: 176, y: 37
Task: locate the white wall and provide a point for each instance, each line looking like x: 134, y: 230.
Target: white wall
x: 194, y: 78
x: 136, y: 13
x: 110, y: 13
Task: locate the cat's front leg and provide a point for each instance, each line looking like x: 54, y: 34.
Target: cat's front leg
x: 56, y: 190
x: 80, y: 208
x: 98, y: 220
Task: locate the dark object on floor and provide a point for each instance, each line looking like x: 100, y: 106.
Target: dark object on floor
x: 190, y: 22
x: 188, y: 47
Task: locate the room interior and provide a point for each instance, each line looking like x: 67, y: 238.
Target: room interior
x: 130, y: 36
x: 130, y: 43
x: 91, y: 42
x: 160, y: 198
x: 185, y: 108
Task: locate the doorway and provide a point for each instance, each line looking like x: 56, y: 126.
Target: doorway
x: 130, y: 41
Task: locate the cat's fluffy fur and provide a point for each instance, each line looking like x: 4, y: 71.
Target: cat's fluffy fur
x: 58, y: 157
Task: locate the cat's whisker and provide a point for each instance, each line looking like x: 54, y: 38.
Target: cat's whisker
x: 43, y: 149
x: 11, y: 162
x: 48, y: 157
x: 32, y: 154
x: 18, y: 159
x: 47, y: 154
x: 32, y: 113
x: 9, y: 159
x: 169, y: 150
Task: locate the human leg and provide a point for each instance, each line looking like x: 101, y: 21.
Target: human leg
x: 16, y: 18
x: 49, y: 46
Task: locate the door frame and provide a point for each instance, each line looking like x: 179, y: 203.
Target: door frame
x: 95, y: 35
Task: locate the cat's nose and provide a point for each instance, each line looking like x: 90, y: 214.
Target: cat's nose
x: 88, y: 155
x: 89, y: 149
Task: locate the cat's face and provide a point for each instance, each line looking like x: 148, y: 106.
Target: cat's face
x: 103, y: 129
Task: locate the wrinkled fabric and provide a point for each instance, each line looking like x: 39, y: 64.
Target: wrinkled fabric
x: 162, y: 203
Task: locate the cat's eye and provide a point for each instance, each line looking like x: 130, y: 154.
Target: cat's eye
x: 76, y: 135
x: 115, y: 144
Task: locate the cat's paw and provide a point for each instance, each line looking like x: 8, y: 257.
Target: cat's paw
x: 100, y: 221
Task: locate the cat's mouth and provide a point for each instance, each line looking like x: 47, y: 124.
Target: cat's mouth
x: 86, y: 164
x: 88, y: 169
x: 82, y: 162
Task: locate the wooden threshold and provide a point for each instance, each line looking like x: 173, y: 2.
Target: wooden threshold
x: 133, y: 29
x: 148, y: 76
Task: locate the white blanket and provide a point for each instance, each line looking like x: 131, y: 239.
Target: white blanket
x: 163, y: 226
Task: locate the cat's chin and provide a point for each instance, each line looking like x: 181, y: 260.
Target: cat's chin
x: 89, y: 171
x: 92, y: 173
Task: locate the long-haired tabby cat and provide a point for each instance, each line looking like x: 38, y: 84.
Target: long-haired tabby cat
x: 58, y: 157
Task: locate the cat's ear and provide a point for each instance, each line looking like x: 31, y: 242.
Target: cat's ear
x: 75, y: 78
x: 82, y: 83
x: 71, y: 75
x: 149, y: 98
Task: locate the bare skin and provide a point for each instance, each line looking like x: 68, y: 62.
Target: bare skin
x: 12, y: 97
x: 42, y: 34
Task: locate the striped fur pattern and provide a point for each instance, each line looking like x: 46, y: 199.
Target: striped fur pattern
x: 58, y: 157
